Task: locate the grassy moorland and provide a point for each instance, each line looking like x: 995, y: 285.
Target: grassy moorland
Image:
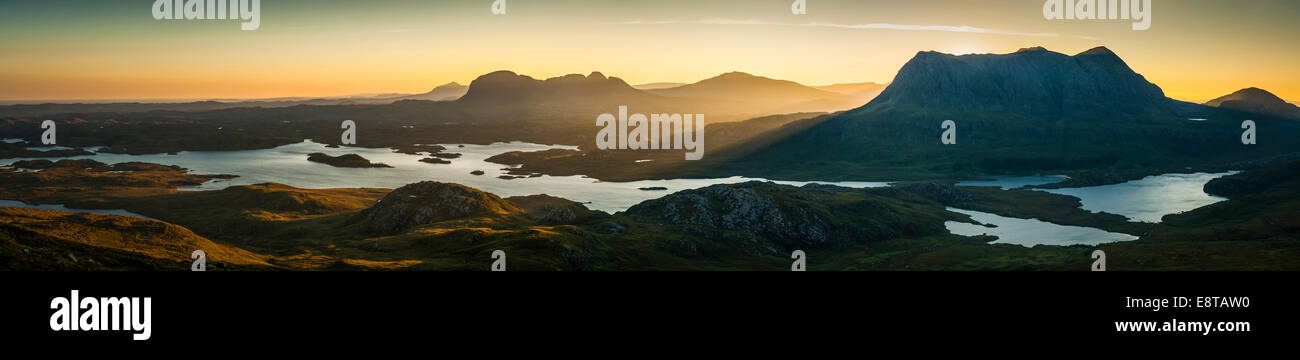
x: 750, y: 226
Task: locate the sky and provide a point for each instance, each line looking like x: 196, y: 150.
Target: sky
x: 1195, y: 50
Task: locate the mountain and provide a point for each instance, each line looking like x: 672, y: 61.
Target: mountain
x: 509, y: 86
x: 572, y: 99
x: 1030, y: 111
x: 776, y: 96
x: 1256, y: 100
x: 446, y: 92
x: 1032, y: 81
x: 865, y: 91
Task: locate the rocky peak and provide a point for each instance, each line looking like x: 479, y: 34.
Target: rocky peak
x: 1033, y: 82
x: 1100, y: 50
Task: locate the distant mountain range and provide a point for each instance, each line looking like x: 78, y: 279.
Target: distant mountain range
x: 728, y: 97
x: 506, y: 96
x: 1258, y: 101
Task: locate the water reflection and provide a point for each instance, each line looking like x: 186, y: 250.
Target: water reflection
x: 1007, y: 182
x: 1148, y: 199
x: 288, y: 165
x: 1029, y: 233
x: 20, y: 204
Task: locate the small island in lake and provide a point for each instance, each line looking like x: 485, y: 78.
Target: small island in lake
x: 344, y: 161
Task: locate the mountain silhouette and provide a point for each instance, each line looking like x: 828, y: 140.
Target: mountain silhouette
x: 505, y: 95
x: 1032, y: 81
x: 509, y: 86
x: 1030, y: 111
x: 1256, y: 100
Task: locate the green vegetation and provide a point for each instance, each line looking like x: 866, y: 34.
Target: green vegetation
x: 750, y: 226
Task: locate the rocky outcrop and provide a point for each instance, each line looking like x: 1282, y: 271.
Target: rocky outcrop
x: 779, y: 218
x: 430, y: 202
x: 553, y: 210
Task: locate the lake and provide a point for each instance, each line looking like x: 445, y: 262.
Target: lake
x: 288, y: 165
x: 1013, y: 182
x: 1148, y: 199
x: 1145, y: 200
x: 1030, y: 233
x: 20, y: 204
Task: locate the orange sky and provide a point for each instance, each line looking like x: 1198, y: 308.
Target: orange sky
x: 1195, y: 50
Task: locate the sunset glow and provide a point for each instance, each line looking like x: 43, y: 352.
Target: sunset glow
x: 1196, y: 50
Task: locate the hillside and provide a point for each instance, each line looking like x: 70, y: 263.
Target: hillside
x: 151, y: 238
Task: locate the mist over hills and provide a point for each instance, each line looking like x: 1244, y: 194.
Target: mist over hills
x: 771, y: 96
x: 658, y: 85
x: 445, y: 92
x: 741, y: 86
x: 866, y: 91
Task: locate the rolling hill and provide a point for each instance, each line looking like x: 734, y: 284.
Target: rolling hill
x: 1256, y: 100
